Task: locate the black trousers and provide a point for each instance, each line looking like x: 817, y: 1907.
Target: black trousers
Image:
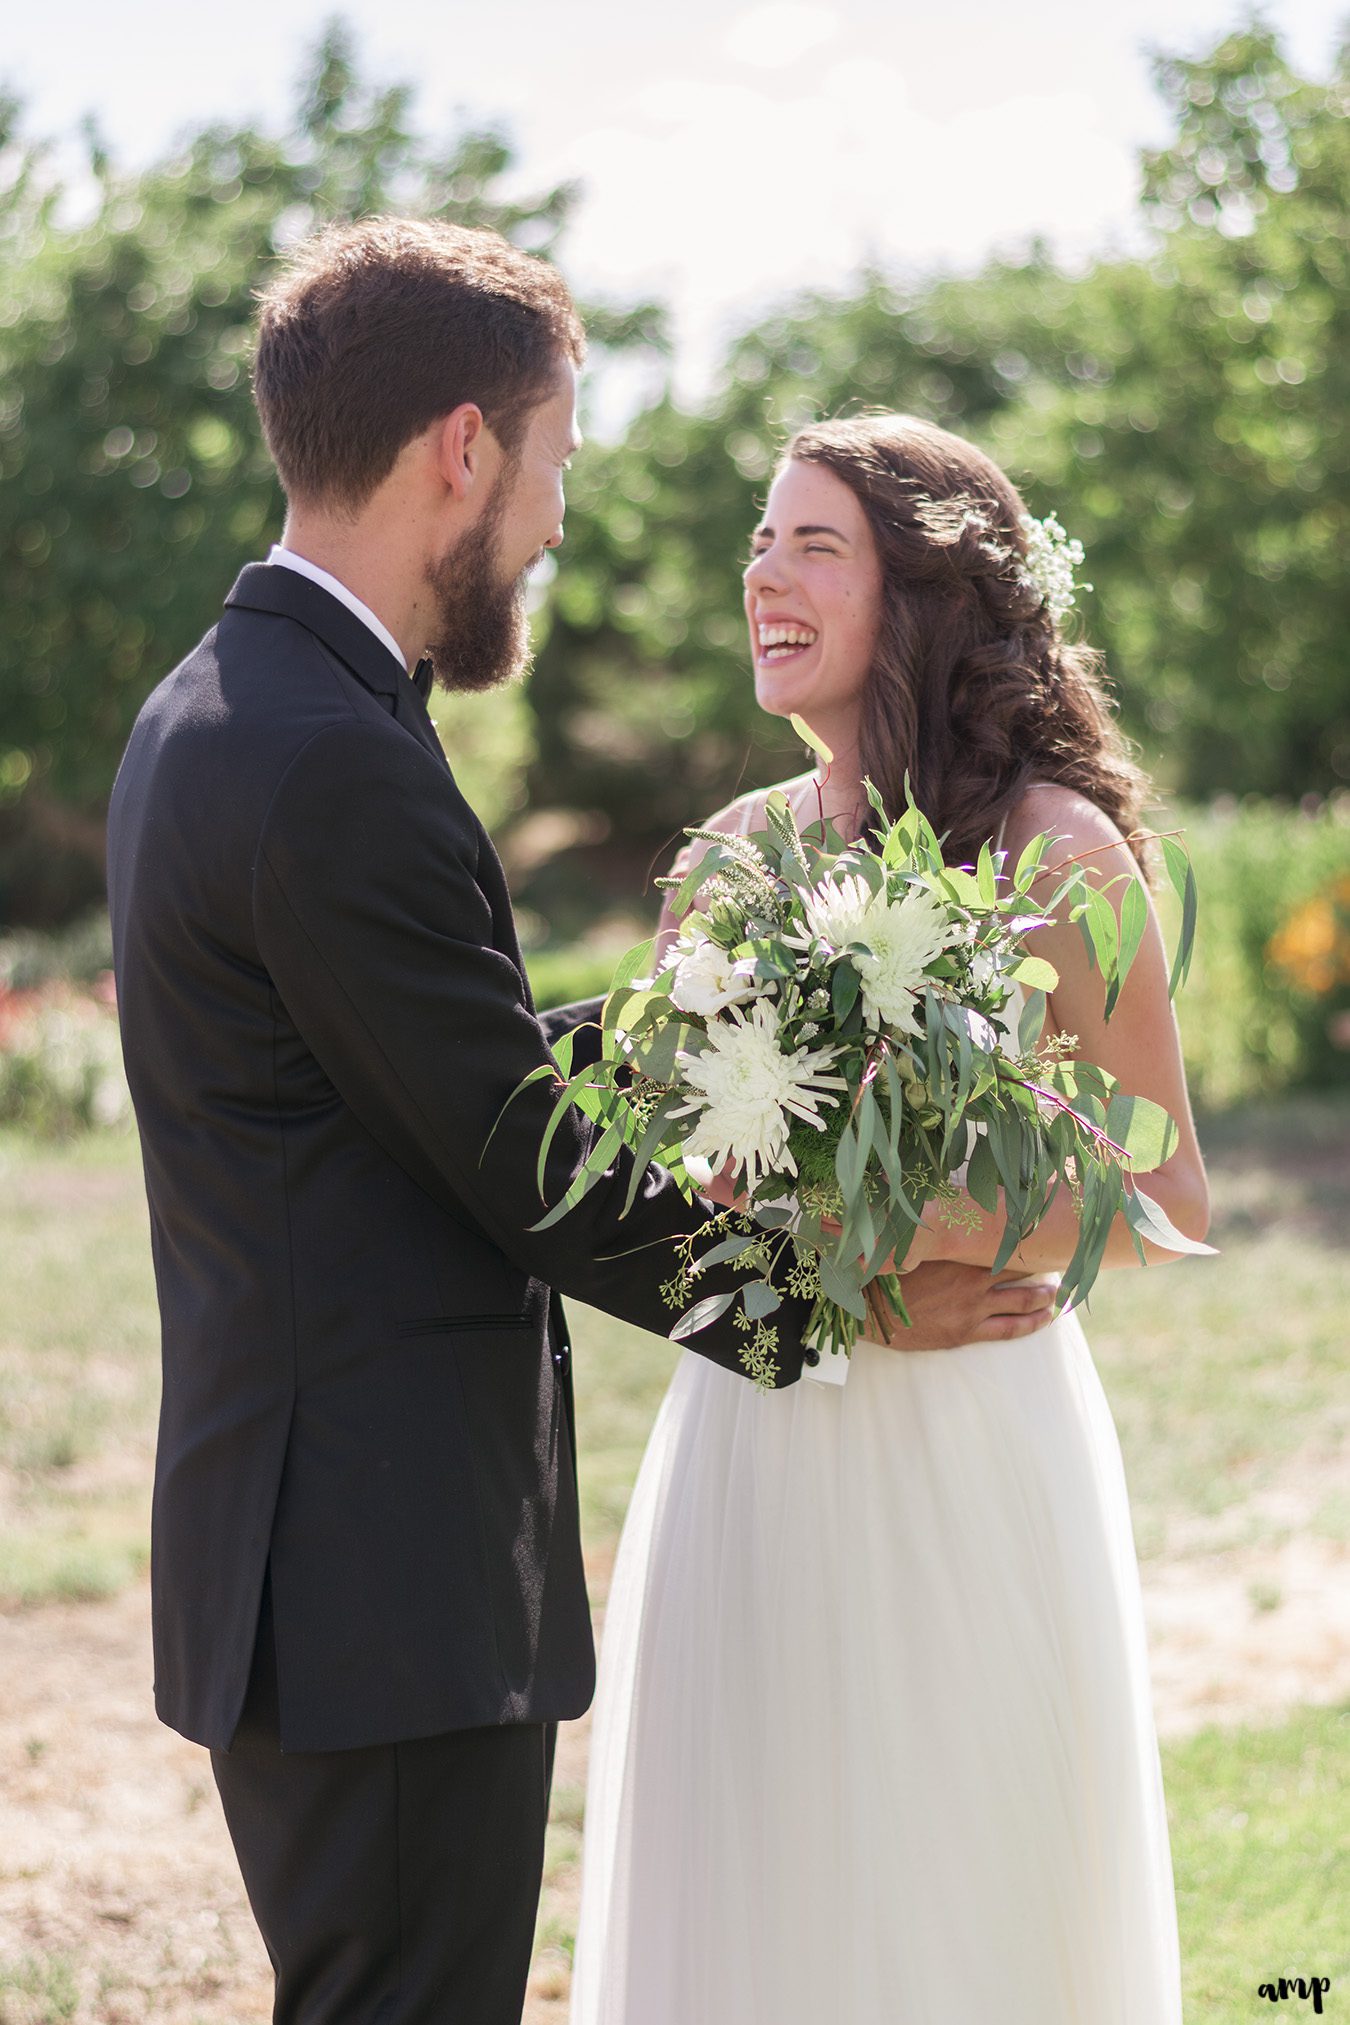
x: 395, y: 1885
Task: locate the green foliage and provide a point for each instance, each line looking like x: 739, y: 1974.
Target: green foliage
x: 61, y: 1064
x: 1183, y: 413
x: 133, y: 481
x: 80, y: 954
x: 565, y: 976
x: 1249, y: 1027
x: 748, y: 1046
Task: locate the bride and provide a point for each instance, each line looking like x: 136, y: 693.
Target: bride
x: 873, y: 1740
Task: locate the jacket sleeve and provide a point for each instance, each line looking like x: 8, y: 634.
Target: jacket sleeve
x: 378, y: 939
x: 581, y: 1019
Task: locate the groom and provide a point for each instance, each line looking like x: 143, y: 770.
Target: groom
x: 367, y: 1585
x: 367, y: 1582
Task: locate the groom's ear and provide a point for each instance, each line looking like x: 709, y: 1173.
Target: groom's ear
x: 461, y: 442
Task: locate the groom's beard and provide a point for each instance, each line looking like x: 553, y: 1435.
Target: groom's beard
x: 482, y: 627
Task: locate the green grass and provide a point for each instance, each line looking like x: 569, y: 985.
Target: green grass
x: 1260, y: 1826
x: 79, y: 1369
x: 38, y: 1990
x: 1226, y: 1378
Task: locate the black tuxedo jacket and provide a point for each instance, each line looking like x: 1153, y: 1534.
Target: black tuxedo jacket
x: 366, y: 1370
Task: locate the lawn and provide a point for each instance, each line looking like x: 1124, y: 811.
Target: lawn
x: 1226, y: 1376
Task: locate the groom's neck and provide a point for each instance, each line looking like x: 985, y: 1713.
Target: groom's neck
x: 374, y: 560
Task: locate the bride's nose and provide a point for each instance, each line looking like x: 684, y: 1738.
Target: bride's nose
x: 762, y: 574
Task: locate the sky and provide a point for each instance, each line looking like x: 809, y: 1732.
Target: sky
x: 729, y: 156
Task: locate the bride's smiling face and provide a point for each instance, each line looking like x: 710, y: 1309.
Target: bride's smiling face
x: 813, y: 590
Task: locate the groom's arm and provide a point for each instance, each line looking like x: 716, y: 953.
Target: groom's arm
x: 379, y: 939
x: 581, y: 1019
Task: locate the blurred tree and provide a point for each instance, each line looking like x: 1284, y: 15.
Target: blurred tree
x: 133, y: 480
x: 1184, y: 413
x: 1197, y: 428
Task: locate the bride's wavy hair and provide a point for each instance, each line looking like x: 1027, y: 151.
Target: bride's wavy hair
x: 973, y: 691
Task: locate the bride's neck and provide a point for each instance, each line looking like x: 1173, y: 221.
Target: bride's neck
x: 838, y: 792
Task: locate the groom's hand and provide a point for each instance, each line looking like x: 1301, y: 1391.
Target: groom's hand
x: 951, y: 1304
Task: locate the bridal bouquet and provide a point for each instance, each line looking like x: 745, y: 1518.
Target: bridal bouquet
x: 829, y: 1030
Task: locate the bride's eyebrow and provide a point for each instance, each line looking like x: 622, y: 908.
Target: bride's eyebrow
x: 766, y: 533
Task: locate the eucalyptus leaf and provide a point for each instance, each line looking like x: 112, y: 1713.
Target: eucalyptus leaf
x: 646, y: 1147
x: 656, y: 1058
x: 1152, y: 1222
x: 984, y: 876
x: 843, y: 1288
x: 1182, y: 875
x: 704, y: 1311
x: 597, y: 1161
x: 759, y: 1299
x: 1147, y: 1132
x: 1036, y: 974
x: 1031, y: 1020
x: 982, y: 1175
x: 729, y: 1248
x: 1098, y: 921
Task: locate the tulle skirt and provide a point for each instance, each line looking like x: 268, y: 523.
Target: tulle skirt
x: 873, y: 1738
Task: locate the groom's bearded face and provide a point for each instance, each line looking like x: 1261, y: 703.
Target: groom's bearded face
x: 482, y: 634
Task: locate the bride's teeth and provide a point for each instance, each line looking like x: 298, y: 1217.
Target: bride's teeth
x: 785, y: 639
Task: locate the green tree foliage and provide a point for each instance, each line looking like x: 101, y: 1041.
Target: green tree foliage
x: 133, y: 481
x: 1184, y: 413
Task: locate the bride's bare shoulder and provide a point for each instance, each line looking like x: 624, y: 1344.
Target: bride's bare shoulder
x: 1062, y: 812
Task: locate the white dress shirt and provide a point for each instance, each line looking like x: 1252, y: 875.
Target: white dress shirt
x: 288, y: 559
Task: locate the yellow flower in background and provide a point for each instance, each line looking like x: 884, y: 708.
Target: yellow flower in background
x: 1312, y: 947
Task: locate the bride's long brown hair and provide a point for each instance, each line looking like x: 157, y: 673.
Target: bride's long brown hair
x: 973, y: 690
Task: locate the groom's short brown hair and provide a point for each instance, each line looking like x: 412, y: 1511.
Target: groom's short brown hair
x: 372, y: 330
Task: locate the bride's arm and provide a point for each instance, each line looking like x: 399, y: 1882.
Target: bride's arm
x: 1139, y: 1046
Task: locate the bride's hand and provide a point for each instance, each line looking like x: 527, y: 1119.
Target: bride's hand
x: 951, y: 1304
x: 722, y: 1189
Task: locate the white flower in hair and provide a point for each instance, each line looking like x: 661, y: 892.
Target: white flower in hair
x: 1051, y: 560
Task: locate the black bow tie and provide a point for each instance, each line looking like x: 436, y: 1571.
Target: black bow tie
x: 421, y: 677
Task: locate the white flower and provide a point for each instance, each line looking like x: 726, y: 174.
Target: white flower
x: 749, y: 1091
x: 904, y: 936
x: 1051, y: 560
x: 707, y: 979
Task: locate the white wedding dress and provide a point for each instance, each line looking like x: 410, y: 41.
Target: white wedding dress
x: 873, y: 1739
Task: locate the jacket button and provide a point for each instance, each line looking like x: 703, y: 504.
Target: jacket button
x: 810, y: 1356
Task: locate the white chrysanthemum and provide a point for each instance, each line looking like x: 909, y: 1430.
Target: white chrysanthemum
x: 749, y: 1091
x: 835, y: 911
x: 904, y: 936
x: 707, y: 979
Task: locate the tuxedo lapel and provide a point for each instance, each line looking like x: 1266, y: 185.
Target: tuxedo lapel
x: 412, y: 713
x: 271, y: 587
